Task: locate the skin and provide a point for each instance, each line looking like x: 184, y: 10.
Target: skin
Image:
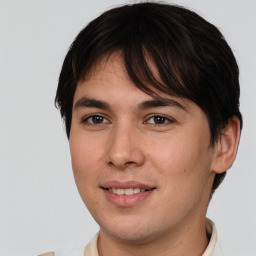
x: 127, y: 143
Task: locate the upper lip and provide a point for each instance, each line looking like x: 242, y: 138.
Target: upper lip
x: 126, y: 184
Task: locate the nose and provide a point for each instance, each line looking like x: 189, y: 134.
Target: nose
x: 124, y: 148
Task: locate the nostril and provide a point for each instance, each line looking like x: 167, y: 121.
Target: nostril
x: 129, y: 163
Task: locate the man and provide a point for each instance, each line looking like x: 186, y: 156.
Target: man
x: 150, y: 97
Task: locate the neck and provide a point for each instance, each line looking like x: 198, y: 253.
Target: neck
x: 190, y: 238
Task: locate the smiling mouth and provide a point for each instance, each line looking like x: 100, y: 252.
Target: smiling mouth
x: 127, y: 191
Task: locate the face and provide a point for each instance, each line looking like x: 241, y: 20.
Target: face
x: 142, y: 165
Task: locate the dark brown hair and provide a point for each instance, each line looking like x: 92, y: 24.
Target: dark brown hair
x: 191, y: 56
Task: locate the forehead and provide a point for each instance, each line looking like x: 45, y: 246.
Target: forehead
x: 108, y: 87
x: 110, y: 68
x: 105, y: 67
x: 144, y: 74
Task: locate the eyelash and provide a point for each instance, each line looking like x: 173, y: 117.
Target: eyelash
x: 169, y: 120
x: 85, y: 120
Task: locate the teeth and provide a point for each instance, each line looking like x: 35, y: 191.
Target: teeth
x: 127, y: 191
x: 136, y: 190
x: 120, y: 191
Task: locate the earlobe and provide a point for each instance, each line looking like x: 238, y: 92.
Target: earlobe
x: 226, y: 147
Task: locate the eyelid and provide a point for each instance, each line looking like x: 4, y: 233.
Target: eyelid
x: 169, y: 119
x: 84, y: 119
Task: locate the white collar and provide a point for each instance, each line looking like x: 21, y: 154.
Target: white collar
x: 211, y: 230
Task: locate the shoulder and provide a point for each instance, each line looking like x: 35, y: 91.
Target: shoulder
x: 90, y: 249
x: 66, y: 252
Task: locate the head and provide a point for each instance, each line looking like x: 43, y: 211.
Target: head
x: 164, y: 50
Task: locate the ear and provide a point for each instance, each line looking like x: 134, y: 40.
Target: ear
x: 226, y: 147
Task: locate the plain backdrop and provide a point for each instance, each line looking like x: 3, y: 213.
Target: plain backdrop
x: 40, y: 208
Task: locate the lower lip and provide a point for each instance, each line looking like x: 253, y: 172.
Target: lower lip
x: 127, y: 200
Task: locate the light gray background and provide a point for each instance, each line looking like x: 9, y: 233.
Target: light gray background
x: 40, y: 207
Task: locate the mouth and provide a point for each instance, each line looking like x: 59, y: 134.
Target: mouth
x: 127, y: 194
x: 126, y: 191
x: 126, y: 187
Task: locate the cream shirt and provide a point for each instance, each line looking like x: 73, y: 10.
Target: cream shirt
x: 213, y: 248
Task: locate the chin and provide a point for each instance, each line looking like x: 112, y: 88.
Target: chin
x: 131, y: 236
x: 131, y: 231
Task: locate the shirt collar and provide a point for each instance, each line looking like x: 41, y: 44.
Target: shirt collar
x: 211, y: 230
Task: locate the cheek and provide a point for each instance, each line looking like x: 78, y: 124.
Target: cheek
x: 183, y: 170
x: 184, y: 161
x: 86, y: 154
x: 176, y: 155
x: 85, y: 165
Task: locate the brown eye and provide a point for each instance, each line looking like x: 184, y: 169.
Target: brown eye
x: 159, y: 120
x: 95, y: 119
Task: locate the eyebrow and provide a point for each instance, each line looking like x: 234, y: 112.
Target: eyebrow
x: 155, y: 103
x: 91, y: 103
x: 160, y: 102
